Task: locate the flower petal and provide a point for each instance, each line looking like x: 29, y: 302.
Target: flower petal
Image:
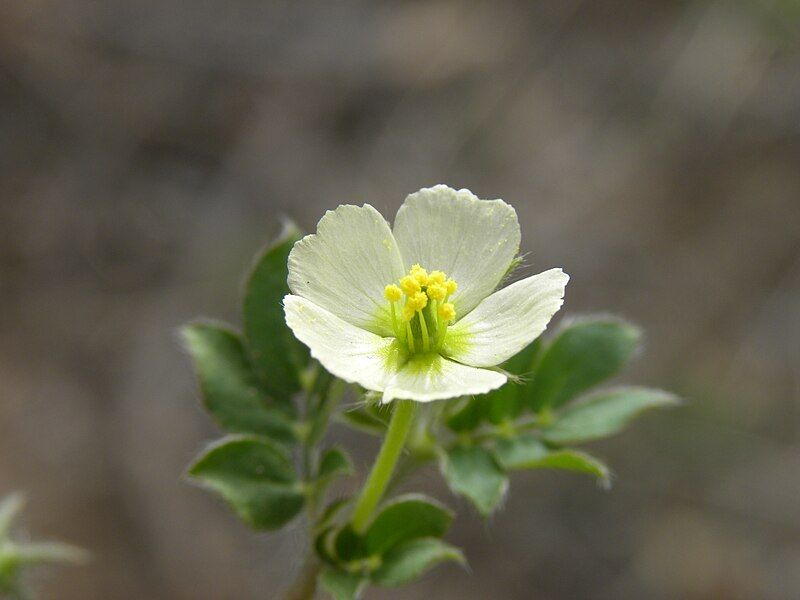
x: 427, y: 377
x: 345, y: 266
x: 350, y: 353
x: 507, y: 321
x: 472, y: 240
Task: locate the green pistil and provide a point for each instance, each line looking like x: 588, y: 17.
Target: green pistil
x: 426, y: 344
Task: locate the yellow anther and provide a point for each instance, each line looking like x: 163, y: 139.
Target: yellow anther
x: 409, y: 285
x: 436, y: 278
x: 447, y: 311
x: 418, y: 301
x: 420, y: 274
x: 420, y: 288
x: 392, y: 293
x: 436, y: 291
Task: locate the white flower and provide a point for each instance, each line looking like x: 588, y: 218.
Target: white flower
x: 413, y: 312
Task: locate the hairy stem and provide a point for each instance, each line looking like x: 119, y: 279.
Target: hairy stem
x: 384, y: 465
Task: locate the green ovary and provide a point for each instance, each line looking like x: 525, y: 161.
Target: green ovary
x: 420, y: 309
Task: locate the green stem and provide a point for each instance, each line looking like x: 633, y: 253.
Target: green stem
x: 384, y: 465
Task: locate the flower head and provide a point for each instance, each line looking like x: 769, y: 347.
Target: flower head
x: 412, y: 311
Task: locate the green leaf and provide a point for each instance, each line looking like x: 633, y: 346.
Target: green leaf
x: 348, y: 544
x: 331, y: 511
x: 341, y: 585
x: 363, y: 420
x: 325, y: 393
x: 323, y: 545
x: 507, y: 402
x: 335, y: 462
x: 504, y: 403
x: 519, y: 452
x: 255, y: 477
x: 276, y: 353
x: 527, y: 452
x: 470, y: 415
x: 604, y: 414
x: 472, y: 472
x: 16, y: 556
x: 581, y: 356
x: 231, y: 391
x: 408, y: 561
x: 572, y: 460
x: 406, y: 518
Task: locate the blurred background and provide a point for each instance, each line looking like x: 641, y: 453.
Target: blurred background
x: 148, y: 149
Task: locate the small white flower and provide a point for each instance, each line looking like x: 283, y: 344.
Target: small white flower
x: 413, y: 312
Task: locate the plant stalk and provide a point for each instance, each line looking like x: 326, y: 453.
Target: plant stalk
x: 383, y: 468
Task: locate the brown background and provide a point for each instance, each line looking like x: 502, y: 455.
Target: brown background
x: 652, y: 149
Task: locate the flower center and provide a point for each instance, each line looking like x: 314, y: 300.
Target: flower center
x: 420, y: 321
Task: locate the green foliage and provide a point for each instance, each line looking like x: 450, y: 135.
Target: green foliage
x: 528, y: 452
x: 248, y: 384
x: 604, y: 414
x: 335, y: 462
x: 508, y: 401
x: 408, y: 561
x: 573, y: 460
x: 406, y: 518
x: 524, y: 424
x: 583, y: 354
x: 364, y: 420
x: 255, y: 477
x: 402, y: 563
x: 231, y: 391
x: 342, y: 585
x: 348, y: 545
x: 400, y: 544
x: 278, y: 357
x: 320, y: 402
x: 263, y: 387
x: 521, y: 452
x: 472, y: 471
x: 331, y: 511
x: 16, y: 556
x: 504, y: 403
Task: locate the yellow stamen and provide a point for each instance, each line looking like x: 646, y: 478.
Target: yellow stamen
x: 409, y: 285
x: 392, y: 293
x: 437, y: 278
x: 436, y: 291
x: 426, y: 296
x: 447, y: 312
x: 418, y: 301
x: 408, y: 313
x: 420, y: 274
